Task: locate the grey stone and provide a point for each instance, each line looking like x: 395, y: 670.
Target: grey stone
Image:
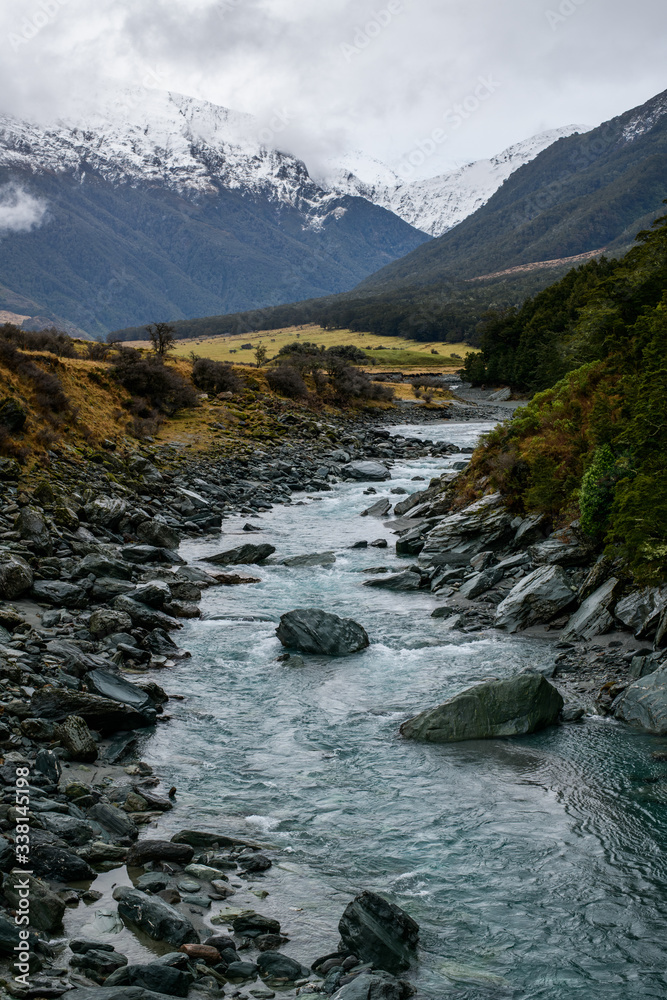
x: 103, y: 566
x: 154, y: 593
x: 241, y: 970
x: 150, y: 554
x: 563, y: 548
x: 68, y: 828
x: 60, y: 865
x: 47, y: 763
x: 108, y: 992
x: 113, y: 820
x: 379, y: 509
x: 373, y: 472
x: 482, y: 526
x: 379, y: 932
x: 243, y: 555
x: 156, y: 918
x: 98, y: 963
x: 160, y: 850
x: 253, y: 924
x: 374, y: 986
x: 593, y: 617
x: 501, y: 395
x: 143, y: 616
x: 316, y: 559
x: 105, y: 621
x: 60, y: 593
x: 530, y: 531
x: 396, y: 581
x: 640, y: 611
x: 278, y: 966
x: 75, y: 737
x: 106, y: 511
x: 32, y: 528
x: 46, y: 909
x: 108, y: 685
x: 310, y: 630
x: 101, y: 714
x: 536, y: 598
x: 157, y: 532
x: 155, y: 976
x: 481, y: 582
x: 15, y: 577
x: 515, y: 706
x: 644, y: 703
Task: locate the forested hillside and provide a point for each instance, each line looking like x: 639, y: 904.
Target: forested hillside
x: 593, y: 445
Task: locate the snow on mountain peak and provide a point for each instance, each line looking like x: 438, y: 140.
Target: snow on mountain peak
x: 439, y: 203
x: 152, y: 136
x: 195, y: 147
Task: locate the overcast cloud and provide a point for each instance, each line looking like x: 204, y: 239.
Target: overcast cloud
x: 376, y: 75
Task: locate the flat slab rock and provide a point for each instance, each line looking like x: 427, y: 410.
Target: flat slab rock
x: 310, y: 630
x: 515, y: 706
x: 243, y: 555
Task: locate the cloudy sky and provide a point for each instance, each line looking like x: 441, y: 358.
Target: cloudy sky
x: 381, y: 76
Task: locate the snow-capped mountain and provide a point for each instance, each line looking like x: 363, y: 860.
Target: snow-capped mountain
x: 169, y: 140
x: 162, y: 206
x: 439, y: 203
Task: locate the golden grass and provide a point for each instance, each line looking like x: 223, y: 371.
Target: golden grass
x: 228, y: 348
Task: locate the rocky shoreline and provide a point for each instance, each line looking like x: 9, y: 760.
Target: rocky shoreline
x: 93, y: 594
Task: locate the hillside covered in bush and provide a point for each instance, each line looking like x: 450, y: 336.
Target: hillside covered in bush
x: 593, y: 442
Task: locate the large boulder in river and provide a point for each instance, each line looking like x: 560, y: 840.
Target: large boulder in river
x: 243, y: 555
x: 515, y: 706
x: 15, y: 577
x: 644, y: 703
x: 379, y: 932
x: 374, y: 472
x: 154, y: 917
x: 310, y: 630
x: 536, y: 598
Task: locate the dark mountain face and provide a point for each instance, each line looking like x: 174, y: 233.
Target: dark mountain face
x: 584, y: 193
x: 110, y: 255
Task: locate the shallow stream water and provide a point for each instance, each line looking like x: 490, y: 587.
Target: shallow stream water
x: 536, y: 867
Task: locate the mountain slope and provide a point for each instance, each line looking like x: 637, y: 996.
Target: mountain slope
x: 174, y: 209
x: 437, y: 204
x: 584, y: 193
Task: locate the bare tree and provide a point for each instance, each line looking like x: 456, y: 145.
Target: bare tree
x: 162, y: 337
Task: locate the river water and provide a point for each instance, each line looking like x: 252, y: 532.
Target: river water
x: 536, y: 867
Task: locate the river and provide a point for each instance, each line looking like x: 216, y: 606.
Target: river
x: 536, y: 867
